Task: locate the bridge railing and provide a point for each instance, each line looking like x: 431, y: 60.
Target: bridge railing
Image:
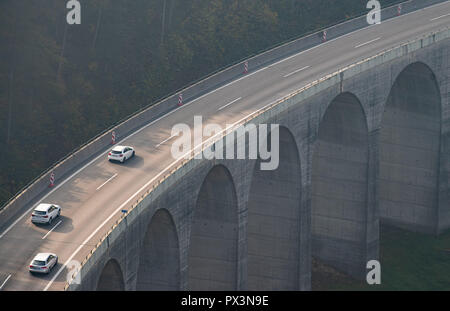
x: 332, y: 78
x: 99, y: 144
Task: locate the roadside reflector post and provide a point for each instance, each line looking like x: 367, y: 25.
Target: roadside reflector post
x: 399, y: 9
x: 52, y: 180
x: 113, y: 138
x: 324, y: 36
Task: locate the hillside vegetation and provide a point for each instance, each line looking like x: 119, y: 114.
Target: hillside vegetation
x: 61, y: 85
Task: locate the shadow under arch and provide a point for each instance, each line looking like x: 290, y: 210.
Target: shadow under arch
x: 339, y: 199
x: 212, y: 254
x: 410, y: 139
x: 159, y: 263
x: 111, y: 278
x: 273, y: 230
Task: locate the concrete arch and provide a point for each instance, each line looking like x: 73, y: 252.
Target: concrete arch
x: 111, y: 278
x: 212, y: 254
x: 410, y: 149
x: 273, y: 230
x: 159, y: 260
x: 339, y: 199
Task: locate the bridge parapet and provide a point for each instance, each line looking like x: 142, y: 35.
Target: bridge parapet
x: 99, y: 144
x: 385, y: 66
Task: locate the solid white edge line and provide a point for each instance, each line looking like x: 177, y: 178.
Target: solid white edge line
x: 131, y: 135
x: 1, y: 287
x: 107, y: 181
x: 142, y: 188
x: 232, y: 82
x: 198, y: 98
x: 43, y: 238
x: 229, y: 103
x: 215, y: 90
x: 368, y: 42
x: 296, y: 71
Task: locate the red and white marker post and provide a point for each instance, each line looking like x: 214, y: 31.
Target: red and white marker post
x: 399, y: 10
x: 52, y: 180
x: 246, y: 67
x: 324, y: 36
x: 113, y: 138
x: 180, y: 100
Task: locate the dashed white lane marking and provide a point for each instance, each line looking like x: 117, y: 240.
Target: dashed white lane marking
x: 1, y: 287
x: 229, y: 103
x: 165, y: 140
x: 368, y: 42
x: 114, y: 176
x: 196, y: 99
x: 215, y: 90
x: 294, y: 72
x: 442, y: 16
x: 52, y: 229
x: 145, y: 186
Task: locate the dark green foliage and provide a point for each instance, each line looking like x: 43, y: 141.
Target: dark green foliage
x: 64, y: 84
x: 409, y: 261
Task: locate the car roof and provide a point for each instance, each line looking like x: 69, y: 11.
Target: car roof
x: 43, y: 207
x: 119, y: 148
x: 42, y: 256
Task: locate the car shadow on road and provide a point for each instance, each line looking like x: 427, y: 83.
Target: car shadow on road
x: 134, y: 162
x: 65, y: 226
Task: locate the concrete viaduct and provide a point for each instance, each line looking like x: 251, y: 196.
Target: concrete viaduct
x: 369, y: 143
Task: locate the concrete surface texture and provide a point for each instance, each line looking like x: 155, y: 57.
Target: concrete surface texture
x: 273, y: 221
x: 159, y: 267
x: 410, y: 142
x: 339, y: 184
x: 213, y: 241
x: 359, y: 147
x: 224, y: 224
x: 70, y: 164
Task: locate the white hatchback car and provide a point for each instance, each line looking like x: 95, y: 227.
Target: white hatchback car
x: 45, y: 213
x: 121, y: 153
x: 43, y: 263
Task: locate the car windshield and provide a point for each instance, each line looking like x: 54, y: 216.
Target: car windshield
x: 116, y: 152
x: 39, y: 213
x: 38, y: 263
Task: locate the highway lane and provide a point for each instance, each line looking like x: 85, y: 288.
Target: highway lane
x: 92, y: 199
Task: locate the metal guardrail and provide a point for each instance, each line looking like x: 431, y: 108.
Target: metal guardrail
x: 206, y: 144
x: 161, y: 99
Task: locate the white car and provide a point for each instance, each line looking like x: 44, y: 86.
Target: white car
x: 45, y: 213
x: 43, y: 263
x: 121, y: 153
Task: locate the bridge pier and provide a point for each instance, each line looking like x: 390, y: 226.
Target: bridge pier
x: 347, y: 163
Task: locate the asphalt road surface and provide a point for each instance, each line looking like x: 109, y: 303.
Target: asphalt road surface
x: 92, y: 198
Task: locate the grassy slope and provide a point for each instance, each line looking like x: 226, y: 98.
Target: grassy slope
x: 409, y: 261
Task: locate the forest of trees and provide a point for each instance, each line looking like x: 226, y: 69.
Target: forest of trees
x: 62, y: 84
